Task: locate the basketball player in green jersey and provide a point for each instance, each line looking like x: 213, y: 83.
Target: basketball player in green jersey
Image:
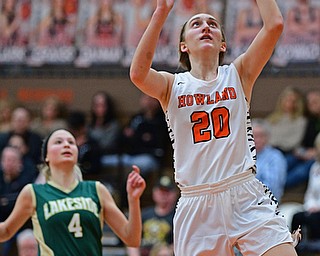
x: 67, y: 213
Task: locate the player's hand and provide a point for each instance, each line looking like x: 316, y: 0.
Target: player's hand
x: 135, y: 183
x: 165, y: 5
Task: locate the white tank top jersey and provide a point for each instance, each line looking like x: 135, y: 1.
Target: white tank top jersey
x: 210, y: 128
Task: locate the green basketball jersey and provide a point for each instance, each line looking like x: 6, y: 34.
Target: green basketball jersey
x: 68, y: 223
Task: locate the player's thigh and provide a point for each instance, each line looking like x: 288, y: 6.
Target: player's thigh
x: 282, y: 249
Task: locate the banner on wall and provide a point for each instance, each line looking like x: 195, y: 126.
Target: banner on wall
x: 14, y: 26
x: 84, y: 33
x: 300, y: 41
x: 53, y: 36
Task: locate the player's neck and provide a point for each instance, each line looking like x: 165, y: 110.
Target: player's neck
x: 64, y: 179
x: 207, y: 73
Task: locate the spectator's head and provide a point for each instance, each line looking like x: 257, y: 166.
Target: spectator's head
x: 261, y: 133
x: 102, y: 108
x: 21, y: 120
x: 291, y: 102
x: 8, y: 6
x: 53, y: 108
x: 165, y: 192
x: 313, y: 103
x: 11, y: 163
x: 26, y: 243
x: 20, y: 142
x: 165, y: 183
x: 6, y: 109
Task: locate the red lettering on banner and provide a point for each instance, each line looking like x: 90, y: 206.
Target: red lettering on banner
x: 39, y: 94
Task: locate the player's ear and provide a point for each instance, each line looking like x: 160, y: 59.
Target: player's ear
x: 183, y: 47
x: 223, y: 47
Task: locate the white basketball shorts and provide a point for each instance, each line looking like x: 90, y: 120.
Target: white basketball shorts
x: 239, y: 211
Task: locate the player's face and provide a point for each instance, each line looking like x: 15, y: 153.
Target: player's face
x: 62, y: 148
x: 203, y: 30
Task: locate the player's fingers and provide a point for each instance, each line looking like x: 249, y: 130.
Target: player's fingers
x: 136, y: 168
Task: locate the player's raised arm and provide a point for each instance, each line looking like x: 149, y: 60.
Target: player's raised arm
x: 127, y: 229
x: 142, y: 75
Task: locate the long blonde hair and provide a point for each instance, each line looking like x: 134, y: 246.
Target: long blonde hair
x: 278, y: 112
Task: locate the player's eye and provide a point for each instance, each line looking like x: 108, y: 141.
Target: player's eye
x: 213, y: 24
x: 195, y: 24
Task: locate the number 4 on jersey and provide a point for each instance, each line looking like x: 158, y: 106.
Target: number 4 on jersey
x: 75, y: 226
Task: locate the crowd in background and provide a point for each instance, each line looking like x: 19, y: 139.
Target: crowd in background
x: 285, y: 144
x: 107, y: 147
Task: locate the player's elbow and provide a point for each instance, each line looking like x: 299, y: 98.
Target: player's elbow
x: 277, y: 26
x: 4, y: 233
x: 136, y: 77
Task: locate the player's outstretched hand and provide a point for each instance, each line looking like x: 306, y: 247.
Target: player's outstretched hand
x: 165, y: 5
x: 135, y: 183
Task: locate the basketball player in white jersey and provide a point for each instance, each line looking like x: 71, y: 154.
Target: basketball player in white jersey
x: 222, y: 204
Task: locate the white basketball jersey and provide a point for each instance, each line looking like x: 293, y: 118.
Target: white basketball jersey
x: 210, y: 128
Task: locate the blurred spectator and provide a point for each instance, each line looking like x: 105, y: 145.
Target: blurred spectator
x: 13, y: 23
x: 104, y: 126
x: 20, y: 142
x: 104, y: 28
x: 161, y: 249
x: 214, y: 7
x: 157, y: 220
x: 249, y: 23
x: 144, y: 138
x: 52, y: 116
x: 21, y: 124
x: 12, y: 181
x: 271, y: 163
x: 309, y: 219
x: 138, y: 14
x: 89, y: 157
x: 6, y: 108
x: 58, y: 27
x: 303, y: 157
x: 313, y: 113
x: 26, y: 243
x: 9, y: 22
x: 301, y: 31
x: 183, y: 10
x: 302, y: 23
x: 287, y: 121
